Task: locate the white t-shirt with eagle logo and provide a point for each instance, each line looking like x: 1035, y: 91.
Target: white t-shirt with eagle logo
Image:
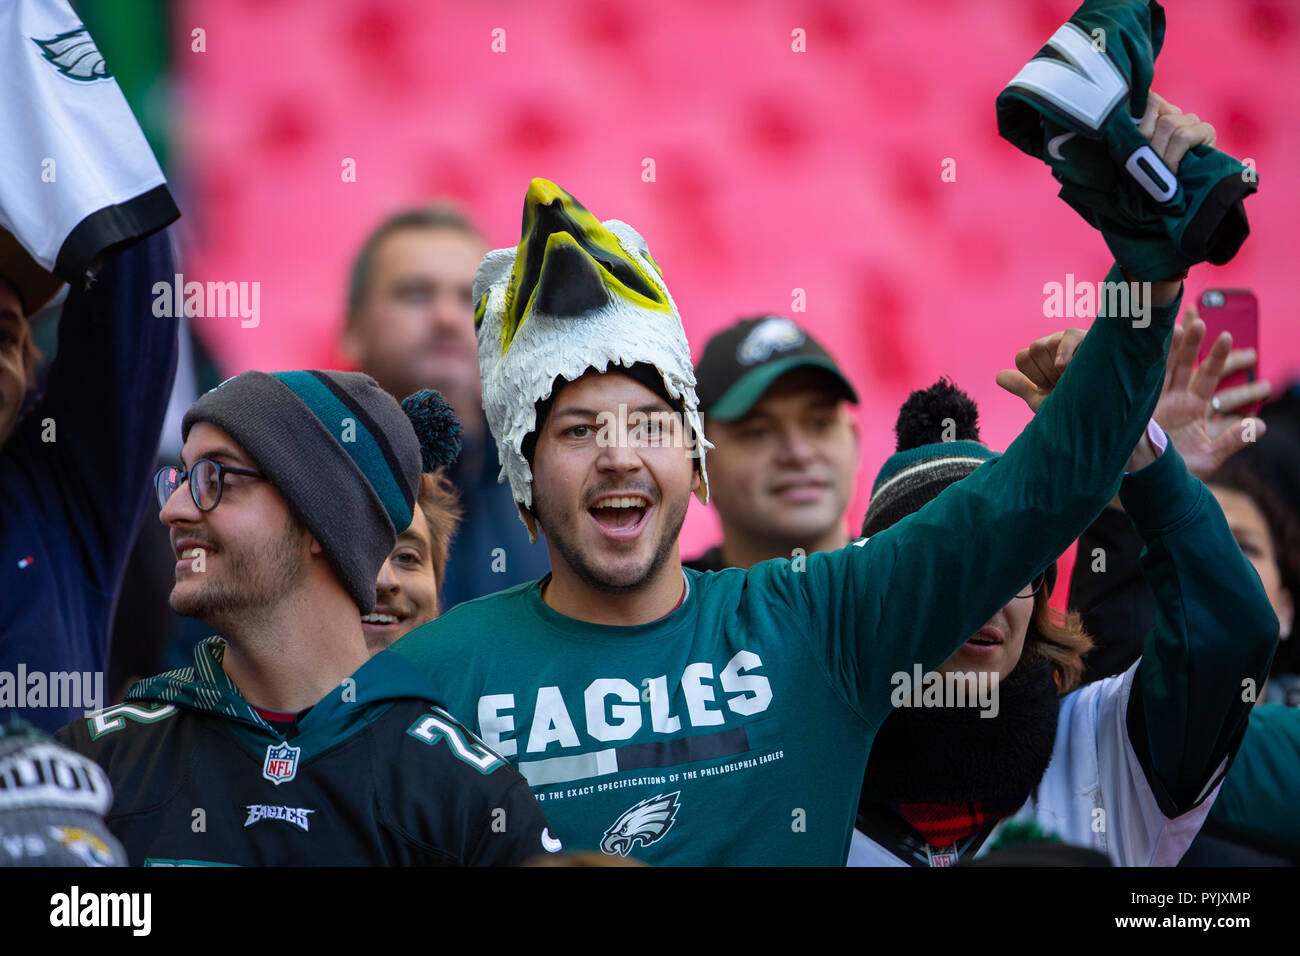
x: 69, y: 143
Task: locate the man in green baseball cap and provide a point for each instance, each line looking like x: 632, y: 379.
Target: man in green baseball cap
x: 786, y: 448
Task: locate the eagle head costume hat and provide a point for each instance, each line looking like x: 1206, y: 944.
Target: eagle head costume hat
x: 575, y: 295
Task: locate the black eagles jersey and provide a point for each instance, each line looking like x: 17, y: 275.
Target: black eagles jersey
x: 372, y: 775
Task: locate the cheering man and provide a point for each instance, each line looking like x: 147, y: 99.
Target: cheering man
x: 726, y: 718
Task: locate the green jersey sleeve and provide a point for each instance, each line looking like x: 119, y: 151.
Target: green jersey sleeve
x: 912, y: 594
x: 1213, y: 638
x: 1262, y: 790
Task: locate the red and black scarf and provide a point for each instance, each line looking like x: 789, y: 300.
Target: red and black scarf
x: 943, y: 824
x: 945, y: 773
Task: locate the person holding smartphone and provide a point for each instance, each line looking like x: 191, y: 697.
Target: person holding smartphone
x: 1107, y: 588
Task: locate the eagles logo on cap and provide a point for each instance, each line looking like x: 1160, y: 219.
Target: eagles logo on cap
x: 770, y: 335
x: 743, y: 361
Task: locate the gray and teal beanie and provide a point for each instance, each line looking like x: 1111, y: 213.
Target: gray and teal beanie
x: 344, y: 454
x: 925, y: 463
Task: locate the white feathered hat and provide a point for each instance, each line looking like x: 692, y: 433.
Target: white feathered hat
x: 575, y: 295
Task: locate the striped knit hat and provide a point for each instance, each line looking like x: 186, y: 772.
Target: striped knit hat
x: 52, y: 804
x: 938, y: 443
x: 345, y: 456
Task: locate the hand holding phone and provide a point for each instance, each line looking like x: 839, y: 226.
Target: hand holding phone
x: 1204, y: 436
x: 1235, y: 311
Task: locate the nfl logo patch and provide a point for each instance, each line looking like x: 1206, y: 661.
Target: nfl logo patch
x: 281, y: 763
x: 942, y: 857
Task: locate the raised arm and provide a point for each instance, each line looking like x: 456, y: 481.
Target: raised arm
x: 1214, y: 636
x: 912, y: 594
x: 105, y: 398
x: 1114, y: 598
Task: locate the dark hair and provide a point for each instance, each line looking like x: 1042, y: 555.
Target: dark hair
x: 31, y: 354
x: 541, y: 411
x: 643, y: 372
x: 437, y: 215
x: 1283, y: 526
x: 1238, y: 474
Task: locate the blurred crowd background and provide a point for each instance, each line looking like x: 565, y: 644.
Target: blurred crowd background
x: 773, y: 170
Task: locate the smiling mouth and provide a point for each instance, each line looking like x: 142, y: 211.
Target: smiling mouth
x: 620, y: 516
x: 800, y: 489
x: 440, y: 348
x: 189, y: 555
x: 382, y: 620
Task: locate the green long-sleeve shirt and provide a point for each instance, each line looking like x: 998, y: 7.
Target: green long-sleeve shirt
x: 1136, y: 754
x: 736, y: 729
x: 1213, y: 639
x: 1203, y: 662
x: 1260, y: 798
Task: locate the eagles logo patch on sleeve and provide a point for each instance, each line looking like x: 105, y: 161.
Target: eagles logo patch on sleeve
x: 75, y: 56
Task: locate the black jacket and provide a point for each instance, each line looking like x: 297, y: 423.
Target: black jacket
x: 371, y: 775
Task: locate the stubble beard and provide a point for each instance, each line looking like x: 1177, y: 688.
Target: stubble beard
x: 563, y: 535
x: 251, y: 582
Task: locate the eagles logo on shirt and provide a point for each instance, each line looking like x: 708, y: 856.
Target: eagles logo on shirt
x: 297, y: 816
x: 646, y: 822
x: 75, y: 55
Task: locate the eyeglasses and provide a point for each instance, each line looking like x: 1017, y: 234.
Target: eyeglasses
x: 1034, y: 586
x: 206, y: 478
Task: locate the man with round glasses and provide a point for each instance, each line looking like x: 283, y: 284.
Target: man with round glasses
x: 406, y: 591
